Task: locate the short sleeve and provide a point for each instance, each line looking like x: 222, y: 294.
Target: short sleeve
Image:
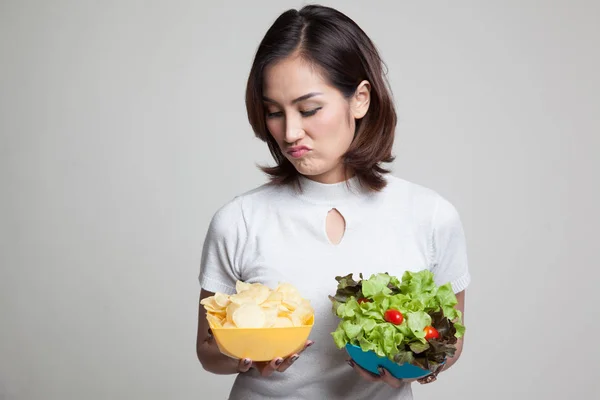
x: 222, y: 249
x: 449, y: 248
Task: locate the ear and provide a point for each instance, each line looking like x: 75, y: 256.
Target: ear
x: 360, y: 100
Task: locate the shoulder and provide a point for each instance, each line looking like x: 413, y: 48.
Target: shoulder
x: 419, y: 199
x: 237, y: 210
x: 422, y: 205
x: 400, y: 186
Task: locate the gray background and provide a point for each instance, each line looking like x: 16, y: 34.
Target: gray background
x: 123, y: 128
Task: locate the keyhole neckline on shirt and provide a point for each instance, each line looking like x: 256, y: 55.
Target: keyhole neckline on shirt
x: 335, y: 226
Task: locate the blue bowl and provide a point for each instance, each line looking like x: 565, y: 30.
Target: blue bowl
x: 369, y: 360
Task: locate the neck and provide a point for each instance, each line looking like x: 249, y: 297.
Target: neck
x: 336, y: 175
x: 341, y: 192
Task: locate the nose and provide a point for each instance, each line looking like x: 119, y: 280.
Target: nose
x: 293, y: 130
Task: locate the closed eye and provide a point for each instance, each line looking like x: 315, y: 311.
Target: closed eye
x: 310, y: 113
x: 276, y: 114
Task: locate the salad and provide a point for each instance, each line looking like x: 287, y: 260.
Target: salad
x: 408, y: 321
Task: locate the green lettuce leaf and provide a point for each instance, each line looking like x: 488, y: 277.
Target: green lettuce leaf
x: 417, y: 282
x: 460, y: 329
x: 351, y: 329
x: 375, y: 285
x: 417, y: 322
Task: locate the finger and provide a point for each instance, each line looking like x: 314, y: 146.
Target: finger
x: 389, y: 379
x: 244, y: 365
x: 363, y: 372
x: 209, y: 339
x: 288, y: 362
x: 306, y: 346
x: 427, y: 379
x: 270, y: 367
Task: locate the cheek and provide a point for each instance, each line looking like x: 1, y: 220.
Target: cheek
x: 275, y: 128
x: 333, y: 127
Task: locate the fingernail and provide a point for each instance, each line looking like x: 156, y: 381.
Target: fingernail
x: 278, y: 361
x: 294, y: 358
x: 381, y: 370
x: 309, y: 344
x: 247, y: 361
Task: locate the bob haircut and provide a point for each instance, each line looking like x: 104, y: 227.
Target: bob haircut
x: 345, y: 56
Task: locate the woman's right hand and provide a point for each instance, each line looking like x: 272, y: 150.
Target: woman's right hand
x: 276, y: 365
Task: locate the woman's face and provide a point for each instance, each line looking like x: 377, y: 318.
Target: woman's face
x: 311, y: 121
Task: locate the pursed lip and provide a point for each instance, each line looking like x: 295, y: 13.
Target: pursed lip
x: 297, y: 149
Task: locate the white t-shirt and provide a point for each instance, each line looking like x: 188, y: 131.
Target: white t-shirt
x: 275, y: 234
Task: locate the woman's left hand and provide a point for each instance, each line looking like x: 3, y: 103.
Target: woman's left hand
x: 384, y: 376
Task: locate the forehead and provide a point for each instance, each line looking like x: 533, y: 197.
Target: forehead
x: 291, y: 78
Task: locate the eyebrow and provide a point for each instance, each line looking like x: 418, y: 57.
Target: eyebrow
x: 299, y: 99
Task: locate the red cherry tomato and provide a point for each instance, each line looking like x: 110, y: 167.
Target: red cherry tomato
x: 393, y: 316
x: 431, y: 333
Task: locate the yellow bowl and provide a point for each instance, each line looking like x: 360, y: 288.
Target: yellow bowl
x: 262, y: 344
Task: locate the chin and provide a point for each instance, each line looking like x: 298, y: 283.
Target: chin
x: 308, y: 170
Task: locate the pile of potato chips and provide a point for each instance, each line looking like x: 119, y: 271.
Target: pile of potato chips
x: 257, y: 306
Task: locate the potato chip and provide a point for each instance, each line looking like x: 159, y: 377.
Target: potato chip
x: 283, y: 309
x: 270, y: 315
x: 255, y: 305
x: 296, y: 321
x: 249, y: 316
x: 242, y: 286
x: 259, y: 293
x: 209, y: 301
x: 291, y: 305
x: 286, y: 288
x: 222, y: 300
x: 211, y: 305
x: 214, y: 321
x: 275, y: 297
x: 242, y: 298
x: 283, y: 322
x: 301, y: 315
x: 231, y: 308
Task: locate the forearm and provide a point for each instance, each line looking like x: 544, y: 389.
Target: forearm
x: 451, y: 361
x: 460, y: 297
x: 214, y: 361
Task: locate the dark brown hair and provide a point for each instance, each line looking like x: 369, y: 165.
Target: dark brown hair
x: 344, y: 54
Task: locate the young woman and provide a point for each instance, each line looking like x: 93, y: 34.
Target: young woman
x: 317, y: 96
